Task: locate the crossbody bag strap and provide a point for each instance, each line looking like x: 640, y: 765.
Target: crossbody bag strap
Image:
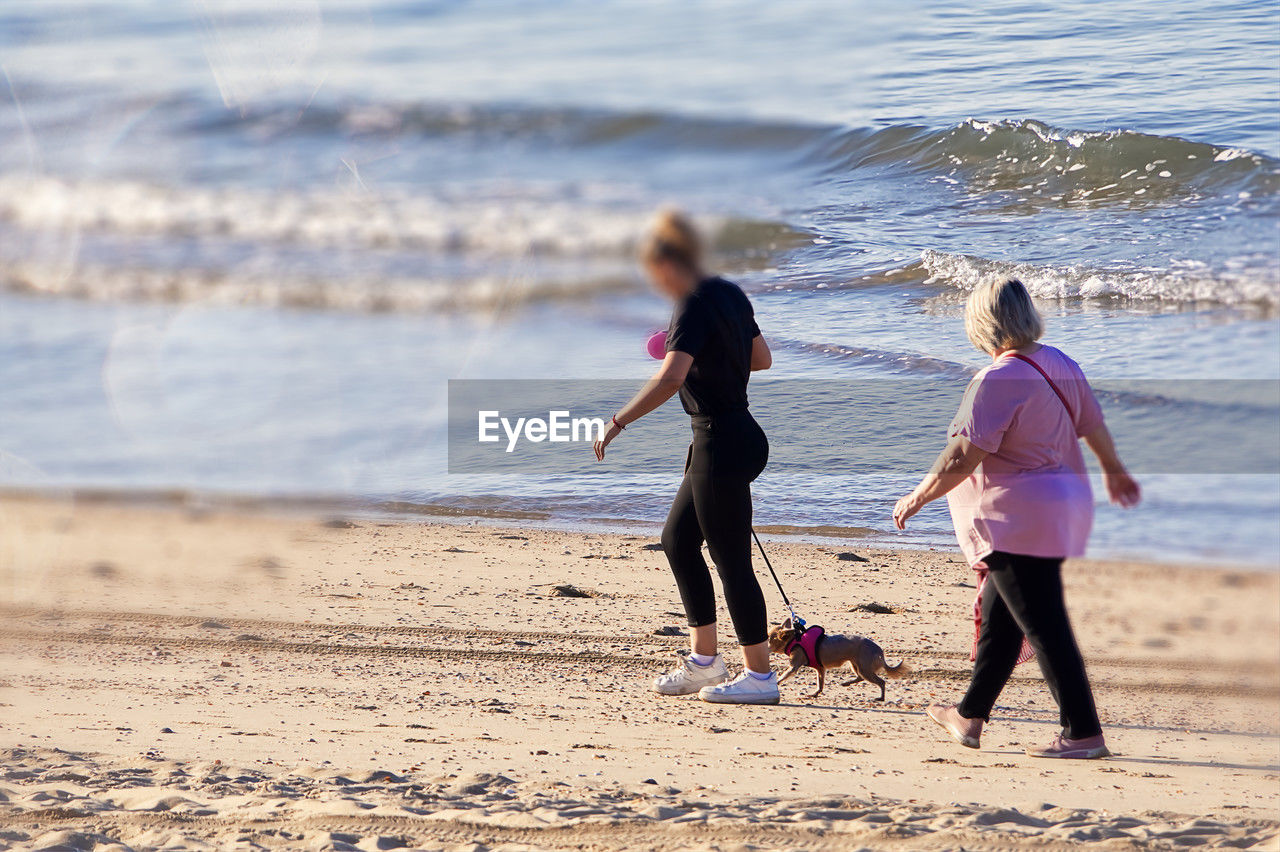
x: 1051, y: 382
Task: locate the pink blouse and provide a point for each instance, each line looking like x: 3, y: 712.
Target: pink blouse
x: 1031, y: 495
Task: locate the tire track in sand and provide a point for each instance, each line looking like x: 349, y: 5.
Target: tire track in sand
x: 328, y: 648
x: 160, y: 619
x: 472, y: 655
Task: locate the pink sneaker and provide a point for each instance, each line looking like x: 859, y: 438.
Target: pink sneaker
x: 1090, y: 748
x: 962, y: 730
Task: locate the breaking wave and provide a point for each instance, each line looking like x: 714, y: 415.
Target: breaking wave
x: 119, y: 240
x: 498, y: 226
x: 1079, y: 165
x: 1067, y: 166
x: 1253, y: 281
x: 102, y: 283
x: 233, y: 244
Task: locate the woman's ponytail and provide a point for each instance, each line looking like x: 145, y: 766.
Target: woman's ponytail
x: 672, y: 237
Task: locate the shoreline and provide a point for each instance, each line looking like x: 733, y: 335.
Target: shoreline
x: 300, y: 680
x: 375, y: 509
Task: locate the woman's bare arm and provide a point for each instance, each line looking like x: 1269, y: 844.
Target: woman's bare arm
x: 1122, y: 488
x: 660, y: 388
x: 953, y: 465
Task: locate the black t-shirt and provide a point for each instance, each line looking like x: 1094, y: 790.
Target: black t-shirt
x: 716, y: 325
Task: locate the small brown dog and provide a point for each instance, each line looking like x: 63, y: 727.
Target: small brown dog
x: 831, y: 651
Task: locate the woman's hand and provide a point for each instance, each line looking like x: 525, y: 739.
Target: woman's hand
x: 905, y: 508
x: 1122, y: 488
x: 612, y: 432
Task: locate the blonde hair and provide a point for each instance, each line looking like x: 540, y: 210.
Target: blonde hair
x: 1001, y: 315
x: 672, y: 237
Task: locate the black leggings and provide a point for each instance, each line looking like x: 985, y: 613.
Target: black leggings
x: 714, y: 505
x: 1023, y: 596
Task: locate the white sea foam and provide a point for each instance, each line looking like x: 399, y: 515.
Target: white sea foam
x: 496, y: 225
x: 118, y: 240
x: 242, y: 287
x: 1253, y: 281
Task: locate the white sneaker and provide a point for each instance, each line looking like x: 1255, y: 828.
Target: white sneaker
x: 744, y: 689
x: 688, y: 677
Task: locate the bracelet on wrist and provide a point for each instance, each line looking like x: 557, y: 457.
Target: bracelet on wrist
x: 616, y: 423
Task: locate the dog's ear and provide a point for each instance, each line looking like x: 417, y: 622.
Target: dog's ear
x: 786, y: 625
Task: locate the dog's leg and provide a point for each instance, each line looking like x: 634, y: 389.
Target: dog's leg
x: 822, y: 680
x: 794, y: 668
x: 878, y: 681
x: 797, y: 660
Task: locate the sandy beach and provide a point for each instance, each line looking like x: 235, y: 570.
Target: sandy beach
x: 174, y: 676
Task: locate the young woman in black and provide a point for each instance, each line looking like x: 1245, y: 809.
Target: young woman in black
x: 713, y: 345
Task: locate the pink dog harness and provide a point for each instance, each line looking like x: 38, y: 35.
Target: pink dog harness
x: 808, y: 643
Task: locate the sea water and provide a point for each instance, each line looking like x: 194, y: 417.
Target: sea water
x: 245, y: 247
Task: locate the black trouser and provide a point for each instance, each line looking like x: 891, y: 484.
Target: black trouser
x: 1023, y: 596
x: 714, y: 504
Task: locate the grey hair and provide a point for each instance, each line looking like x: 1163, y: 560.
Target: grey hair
x: 1001, y: 315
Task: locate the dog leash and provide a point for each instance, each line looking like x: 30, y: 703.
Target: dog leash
x: 796, y: 620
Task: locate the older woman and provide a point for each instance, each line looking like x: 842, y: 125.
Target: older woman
x: 1015, y: 480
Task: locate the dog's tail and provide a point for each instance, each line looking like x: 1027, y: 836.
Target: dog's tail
x: 900, y: 670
